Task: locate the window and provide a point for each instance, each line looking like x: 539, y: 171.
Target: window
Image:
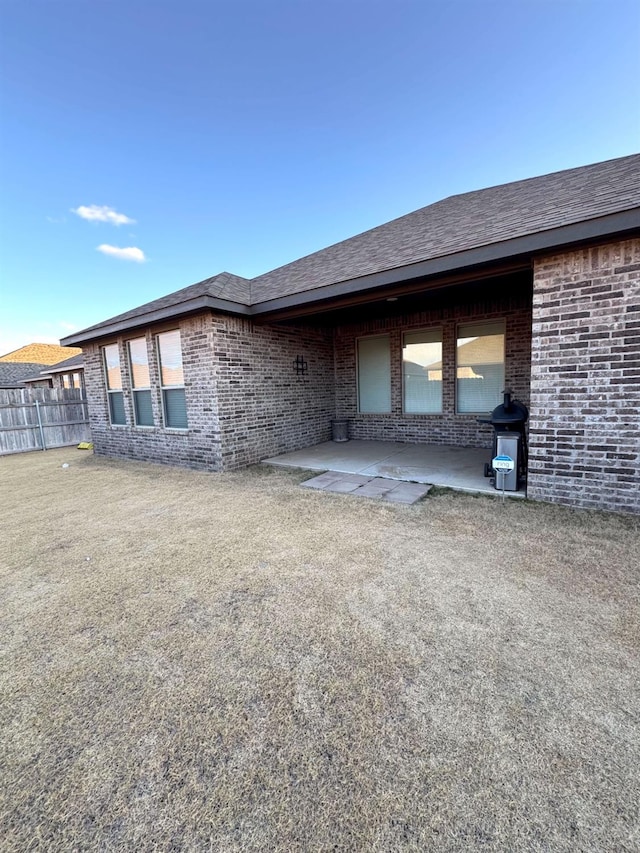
x: 172, y: 380
x: 71, y: 380
x: 140, y: 382
x: 422, y: 372
x: 480, y: 366
x: 114, y: 384
x: 374, y: 374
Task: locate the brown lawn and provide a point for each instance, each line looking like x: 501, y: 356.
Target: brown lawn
x: 196, y: 662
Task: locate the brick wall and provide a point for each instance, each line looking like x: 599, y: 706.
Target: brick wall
x: 244, y: 399
x: 197, y: 447
x: 585, y: 383
x: 265, y: 408
x: 448, y: 427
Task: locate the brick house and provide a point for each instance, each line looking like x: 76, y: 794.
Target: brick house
x: 64, y: 374
x: 409, y: 330
x: 42, y: 366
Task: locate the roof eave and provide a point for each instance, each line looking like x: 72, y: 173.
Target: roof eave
x: 71, y: 368
x: 376, y: 284
x: 504, y: 252
x: 190, y: 306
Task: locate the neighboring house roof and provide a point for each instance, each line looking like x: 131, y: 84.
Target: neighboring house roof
x: 43, y: 354
x: 14, y: 374
x: 479, y: 227
x: 75, y: 363
x: 69, y: 365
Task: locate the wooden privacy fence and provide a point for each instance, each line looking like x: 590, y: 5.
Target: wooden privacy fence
x: 42, y: 418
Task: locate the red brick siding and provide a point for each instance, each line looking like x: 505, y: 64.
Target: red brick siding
x: 585, y: 382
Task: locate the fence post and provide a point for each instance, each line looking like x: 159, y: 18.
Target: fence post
x: 44, y: 445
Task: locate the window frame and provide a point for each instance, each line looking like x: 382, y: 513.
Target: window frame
x: 360, y: 338
x: 164, y: 388
x: 432, y: 330
x: 112, y: 392
x: 499, y: 322
x: 135, y: 390
x: 71, y: 380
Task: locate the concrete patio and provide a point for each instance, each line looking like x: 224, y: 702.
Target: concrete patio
x: 363, y: 486
x: 439, y: 465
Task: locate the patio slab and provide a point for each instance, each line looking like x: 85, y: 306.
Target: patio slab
x: 323, y: 480
x: 341, y: 485
x: 369, y: 487
x: 439, y: 465
x: 407, y: 493
x: 347, y: 456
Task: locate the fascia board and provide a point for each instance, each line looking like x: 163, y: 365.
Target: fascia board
x: 160, y: 315
x: 506, y: 250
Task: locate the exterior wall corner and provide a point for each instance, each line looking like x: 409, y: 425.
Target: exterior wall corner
x: 584, y: 426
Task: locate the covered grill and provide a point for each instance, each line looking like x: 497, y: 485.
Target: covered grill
x: 509, y: 439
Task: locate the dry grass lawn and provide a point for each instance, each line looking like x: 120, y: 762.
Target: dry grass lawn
x: 196, y: 662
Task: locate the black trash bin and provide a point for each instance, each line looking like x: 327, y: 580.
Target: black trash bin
x: 340, y: 429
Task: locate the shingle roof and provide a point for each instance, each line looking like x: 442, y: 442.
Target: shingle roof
x: 225, y: 286
x: 75, y: 362
x: 44, y: 354
x: 461, y: 223
x: 13, y: 374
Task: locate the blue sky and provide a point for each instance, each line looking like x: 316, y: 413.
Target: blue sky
x: 210, y: 136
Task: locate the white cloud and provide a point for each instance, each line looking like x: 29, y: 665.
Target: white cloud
x: 102, y: 213
x: 131, y: 253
